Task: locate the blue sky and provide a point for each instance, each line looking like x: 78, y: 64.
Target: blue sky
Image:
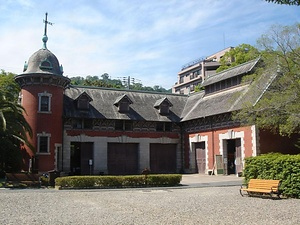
x: 149, y: 40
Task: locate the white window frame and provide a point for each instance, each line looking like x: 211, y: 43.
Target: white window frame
x: 44, y: 134
x: 40, y: 102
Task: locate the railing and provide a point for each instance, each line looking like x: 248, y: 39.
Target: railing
x: 192, y: 63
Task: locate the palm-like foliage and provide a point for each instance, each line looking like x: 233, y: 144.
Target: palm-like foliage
x: 14, y: 129
x: 13, y: 123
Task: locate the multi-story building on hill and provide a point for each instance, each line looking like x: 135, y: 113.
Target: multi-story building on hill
x: 194, y: 73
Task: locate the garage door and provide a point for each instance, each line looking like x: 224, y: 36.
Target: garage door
x: 163, y: 158
x: 122, y: 158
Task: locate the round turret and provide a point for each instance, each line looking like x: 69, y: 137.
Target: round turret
x: 42, y: 91
x: 43, y: 61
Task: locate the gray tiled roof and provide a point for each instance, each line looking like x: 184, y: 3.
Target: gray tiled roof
x: 200, y: 105
x: 183, y: 108
x: 103, y: 106
x: 232, y: 72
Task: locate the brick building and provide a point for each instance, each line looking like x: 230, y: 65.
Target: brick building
x: 89, y: 130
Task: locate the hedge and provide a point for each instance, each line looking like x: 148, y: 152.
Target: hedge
x: 276, y: 166
x: 118, y: 181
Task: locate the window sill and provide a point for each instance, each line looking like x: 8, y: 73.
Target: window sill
x: 43, y: 153
x: 45, y: 112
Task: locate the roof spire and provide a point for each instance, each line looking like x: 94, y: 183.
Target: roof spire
x: 45, y: 38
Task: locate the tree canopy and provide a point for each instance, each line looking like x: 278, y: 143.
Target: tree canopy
x: 238, y: 55
x: 107, y: 82
x: 285, y: 2
x: 278, y: 108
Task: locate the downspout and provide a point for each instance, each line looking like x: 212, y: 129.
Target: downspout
x: 182, y: 147
x: 213, y: 142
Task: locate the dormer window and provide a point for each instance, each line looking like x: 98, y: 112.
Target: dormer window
x: 83, y: 101
x: 46, y: 65
x: 123, y: 103
x: 163, y: 105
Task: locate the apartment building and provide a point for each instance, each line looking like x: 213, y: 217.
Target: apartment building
x: 194, y: 73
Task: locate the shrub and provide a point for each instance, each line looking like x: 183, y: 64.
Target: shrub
x: 164, y: 180
x: 118, y: 181
x: 277, y: 167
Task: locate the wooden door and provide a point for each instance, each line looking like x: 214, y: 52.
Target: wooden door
x: 200, y: 157
x: 163, y: 158
x: 87, y: 153
x: 122, y: 158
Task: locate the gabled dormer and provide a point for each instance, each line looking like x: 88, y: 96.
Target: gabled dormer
x: 46, y: 65
x: 163, y: 105
x: 123, y: 103
x: 83, y: 101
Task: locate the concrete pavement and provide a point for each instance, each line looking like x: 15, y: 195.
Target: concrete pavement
x: 201, y: 180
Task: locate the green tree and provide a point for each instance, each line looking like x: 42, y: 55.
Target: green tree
x: 14, y: 129
x: 113, y: 83
x: 278, y: 108
x: 285, y: 2
x: 238, y: 55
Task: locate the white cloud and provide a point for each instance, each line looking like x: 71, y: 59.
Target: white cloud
x: 147, y: 39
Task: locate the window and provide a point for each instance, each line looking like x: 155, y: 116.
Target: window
x: 160, y: 126
x: 192, y: 87
x: 124, y: 107
x: 163, y: 126
x: 20, y: 97
x: 43, y: 143
x: 164, y: 109
x: 83, y: 124
x: 46, y: 64
x: 118, y: 125
x: 181, y: 80
x: 124, y: 125
x: 44, y: 102
x: 83, y: 101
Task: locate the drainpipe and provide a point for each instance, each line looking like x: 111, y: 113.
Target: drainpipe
x: 182, y: 147
x: 213, y: 141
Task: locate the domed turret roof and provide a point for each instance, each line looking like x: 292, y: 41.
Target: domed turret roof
x: 43, y: 61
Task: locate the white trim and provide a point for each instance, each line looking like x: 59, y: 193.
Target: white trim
x: 231, y: 134
x: 254, y: 133
x: 192, y: 141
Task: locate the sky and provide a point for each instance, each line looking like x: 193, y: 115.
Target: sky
x: 149, y: 40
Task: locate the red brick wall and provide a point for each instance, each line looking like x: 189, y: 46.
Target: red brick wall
x: 44, y: 122
x: 213, y: 143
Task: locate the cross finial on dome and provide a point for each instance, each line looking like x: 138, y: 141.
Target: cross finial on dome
x: 45, y: 38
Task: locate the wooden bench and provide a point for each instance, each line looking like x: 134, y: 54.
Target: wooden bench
x: 261, y: 187
x: 22, y: 180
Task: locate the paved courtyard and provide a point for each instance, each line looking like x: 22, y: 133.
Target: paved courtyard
x: 203, y: 202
